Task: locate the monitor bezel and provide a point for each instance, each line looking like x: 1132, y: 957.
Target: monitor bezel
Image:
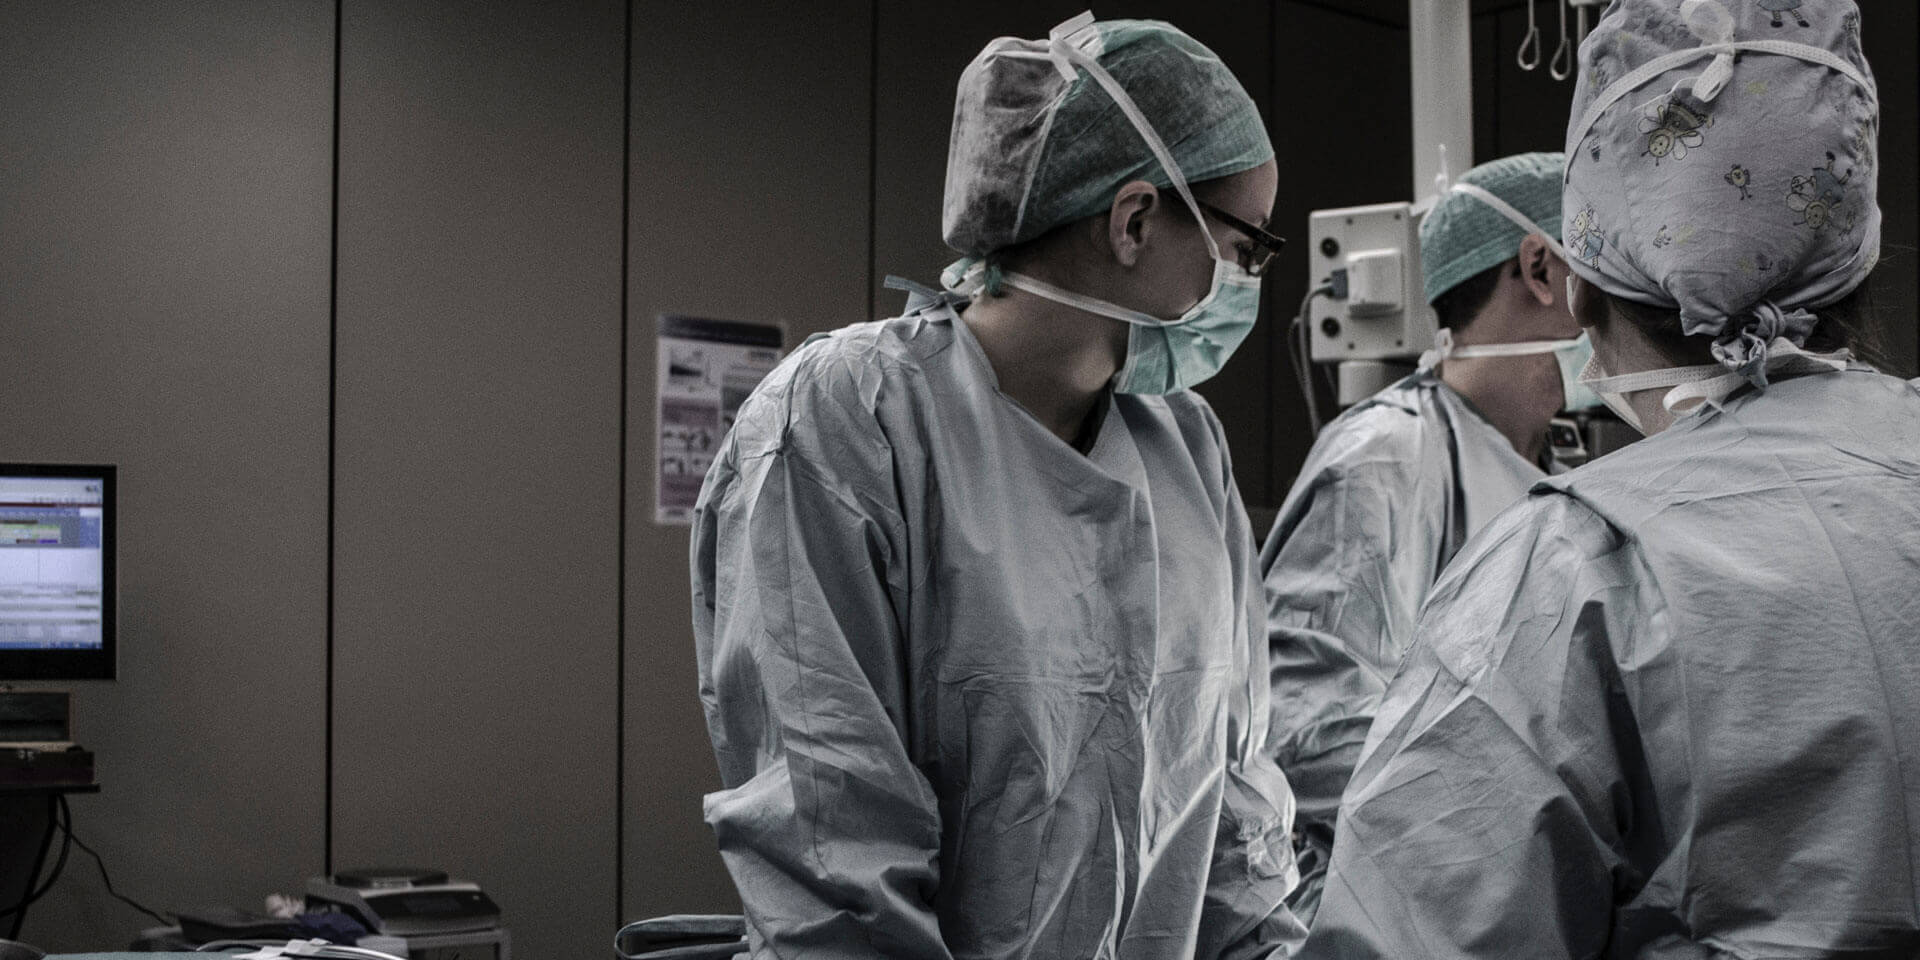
x: 103, y: 663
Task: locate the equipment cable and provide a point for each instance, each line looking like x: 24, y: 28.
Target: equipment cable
x: 63, y: 818
x: 66, y: 846
x: 102, y: 864
x: 1299, y: 347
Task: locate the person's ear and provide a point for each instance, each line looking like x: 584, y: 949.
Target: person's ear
x: 1127, y: 220
x: 1535, y: 257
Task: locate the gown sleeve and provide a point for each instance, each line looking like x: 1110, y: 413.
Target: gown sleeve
x: 829, y: 830
x: 1490, y: 810
x: 1339, y: 608
x: 1245, y: 915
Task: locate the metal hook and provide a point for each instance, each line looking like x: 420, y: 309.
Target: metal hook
x: 1531, y: 42
x: 1562, y: 65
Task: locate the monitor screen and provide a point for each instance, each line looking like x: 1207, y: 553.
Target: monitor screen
x: 56, y: 572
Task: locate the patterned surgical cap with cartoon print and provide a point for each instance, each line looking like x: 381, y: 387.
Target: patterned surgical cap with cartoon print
x: 1721, y: 160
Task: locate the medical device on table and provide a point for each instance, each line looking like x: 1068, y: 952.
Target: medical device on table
x: 682, y: 937
x: 405, y: 902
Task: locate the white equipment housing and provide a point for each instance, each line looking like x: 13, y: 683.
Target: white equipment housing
x: 1377, y: 312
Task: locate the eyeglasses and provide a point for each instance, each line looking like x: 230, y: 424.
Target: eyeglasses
x: 1266, y: 246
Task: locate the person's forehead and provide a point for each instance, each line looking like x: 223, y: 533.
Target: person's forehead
x: 1257, y: 209
x: 1249, y: 196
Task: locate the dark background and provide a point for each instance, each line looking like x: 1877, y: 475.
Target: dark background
x: 365, y: 316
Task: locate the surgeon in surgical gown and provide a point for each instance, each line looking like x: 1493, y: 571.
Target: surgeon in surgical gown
x: 1668, y: 706
x: 1397, y: 484
x: 974, y: 596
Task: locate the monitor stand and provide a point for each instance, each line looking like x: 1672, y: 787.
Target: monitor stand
x: 27, y: 831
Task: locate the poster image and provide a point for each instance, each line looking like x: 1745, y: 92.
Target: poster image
x: 705, y: 369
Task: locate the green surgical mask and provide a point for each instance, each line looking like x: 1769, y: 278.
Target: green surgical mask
x: 1572, y: 356
x: 1168, y: 355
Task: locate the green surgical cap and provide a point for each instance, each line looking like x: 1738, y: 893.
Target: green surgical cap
x: 1462, y: 236
x: 1032, y: 150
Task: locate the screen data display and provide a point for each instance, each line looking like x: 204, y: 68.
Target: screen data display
x: 53, y: 557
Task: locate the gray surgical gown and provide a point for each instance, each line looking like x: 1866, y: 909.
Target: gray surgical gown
x: 1390, y: 492
x: 976, y: 694
x: 1666, y: 707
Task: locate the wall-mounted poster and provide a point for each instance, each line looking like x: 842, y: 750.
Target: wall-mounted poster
x: 704, y: 370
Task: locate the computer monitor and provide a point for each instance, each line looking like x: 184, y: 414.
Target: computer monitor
x: 57, y: 596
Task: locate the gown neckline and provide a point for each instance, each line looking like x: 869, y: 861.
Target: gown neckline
x: 1112, y: 457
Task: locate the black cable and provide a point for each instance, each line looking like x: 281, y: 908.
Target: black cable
x: 620, y: 479
x: 1297, y: 346
x: 1300, y: 345
x: 63, y: 819
x: 333, y: 454
x: 66, y: 846
x: 102, y: 864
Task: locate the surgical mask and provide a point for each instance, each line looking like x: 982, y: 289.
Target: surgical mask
x: 1571, y: 355
x: 1613, y: 390
x: 1699, y: 386
x: 1168, y: 355
x: 1163, y: 356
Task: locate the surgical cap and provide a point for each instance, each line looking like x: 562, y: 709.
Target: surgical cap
x: 1037, y: 143
x: 1721, y: 161
x: 1463, y: 236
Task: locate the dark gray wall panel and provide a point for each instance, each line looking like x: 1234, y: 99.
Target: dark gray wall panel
x: 478, y: 437
x: 921, y: 49
x: 1348, y: 142
x: 1529, y: 107
x: 1488, y: 40
x: 1890, y: 32
x: 1241, y: 32
x: 750, y: 202
x: 164, y: 192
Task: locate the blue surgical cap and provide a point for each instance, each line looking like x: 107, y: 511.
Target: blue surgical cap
x: 1032, y: 149
x: 1463, y: 236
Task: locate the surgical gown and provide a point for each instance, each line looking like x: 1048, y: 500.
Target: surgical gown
x: 1390, y: 492
x: 974, y: 693
x: 1666, y: 707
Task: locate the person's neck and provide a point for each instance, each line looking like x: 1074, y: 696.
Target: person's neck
x: 1516, y: 406
x: 1622, y: 348
x: 1050, y: 358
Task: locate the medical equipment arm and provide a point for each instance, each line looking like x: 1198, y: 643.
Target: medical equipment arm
x: 830, y: 832
x: 1490, y: 809
x: 1245, y: 914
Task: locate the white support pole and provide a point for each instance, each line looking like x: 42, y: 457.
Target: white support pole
x: 1440, y: 44
x: 1440, y: 38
